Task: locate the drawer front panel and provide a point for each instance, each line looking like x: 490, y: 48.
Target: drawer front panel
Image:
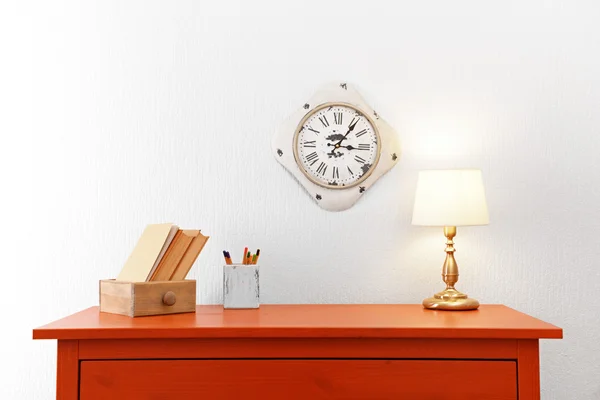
x: 298, y: 379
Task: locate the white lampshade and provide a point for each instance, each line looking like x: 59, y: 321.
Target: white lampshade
x: 450, y: 198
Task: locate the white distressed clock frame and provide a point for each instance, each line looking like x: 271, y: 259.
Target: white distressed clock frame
x: 342, y: 197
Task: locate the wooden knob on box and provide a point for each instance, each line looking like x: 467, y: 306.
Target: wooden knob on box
x: 169, y: 298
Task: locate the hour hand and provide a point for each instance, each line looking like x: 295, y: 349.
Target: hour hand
x: 360, y: 147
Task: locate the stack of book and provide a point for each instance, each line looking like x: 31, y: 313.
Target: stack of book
x: 163, y: 253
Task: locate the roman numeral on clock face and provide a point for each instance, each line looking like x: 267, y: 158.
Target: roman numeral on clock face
x: 324, y: 121
x: 336, y: 173
x: 338, y: 117
x: 336, y: 146
x: 314, y: 157
x: 322, y: 168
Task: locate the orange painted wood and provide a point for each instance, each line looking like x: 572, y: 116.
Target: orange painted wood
x: 301, y: 351
x: 67, y: 371
x: 306, y: 321
x: 298, y: 379
x: 298, y: 348
x: 529, y: 370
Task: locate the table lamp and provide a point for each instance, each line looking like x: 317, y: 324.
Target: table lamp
x: 450, y: 198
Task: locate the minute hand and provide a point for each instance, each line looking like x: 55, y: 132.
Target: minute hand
x: 350, y: 129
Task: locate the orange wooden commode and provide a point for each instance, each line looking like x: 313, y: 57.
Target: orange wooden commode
x: 308, y: 352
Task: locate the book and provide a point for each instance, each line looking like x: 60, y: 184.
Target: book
x: 189, y: 258
x: 147, y: 252
x: 172, y: 233
x: 173, y: 255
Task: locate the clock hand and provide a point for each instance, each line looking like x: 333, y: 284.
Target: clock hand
x: 350, y: 129
x: 349, y: 147
x: 337, y: 146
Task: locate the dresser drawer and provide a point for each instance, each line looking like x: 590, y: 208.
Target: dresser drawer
x: 298, y: 379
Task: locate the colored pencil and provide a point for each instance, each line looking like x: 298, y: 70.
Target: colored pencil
x: 248, y: 259
x: 257, y: 255
x: 225, y: 256
x: 244, y: 255
x: 253, y: 259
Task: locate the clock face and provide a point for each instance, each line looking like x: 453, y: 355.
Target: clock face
x: 336, y: 146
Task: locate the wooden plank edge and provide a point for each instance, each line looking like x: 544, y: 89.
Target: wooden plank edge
x: 484, y: 349
x: 67, y: 370
x: 287, y: 332
x: 528, y: 370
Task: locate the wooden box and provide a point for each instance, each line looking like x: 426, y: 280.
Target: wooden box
x: 136, y: 299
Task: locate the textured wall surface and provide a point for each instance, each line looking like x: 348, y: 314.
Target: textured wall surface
x: 115, y: 114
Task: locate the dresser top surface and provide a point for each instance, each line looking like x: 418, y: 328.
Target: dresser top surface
x: 302, y: 321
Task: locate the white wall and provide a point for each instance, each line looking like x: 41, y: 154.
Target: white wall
x: 115, y: 114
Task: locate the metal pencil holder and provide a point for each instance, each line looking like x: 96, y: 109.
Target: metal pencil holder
x: 241, y: 286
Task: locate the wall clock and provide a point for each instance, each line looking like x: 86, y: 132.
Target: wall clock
x: 336, y: 146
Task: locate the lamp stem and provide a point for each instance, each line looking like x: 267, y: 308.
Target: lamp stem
x: 450, y: 298
x: 450, y: 268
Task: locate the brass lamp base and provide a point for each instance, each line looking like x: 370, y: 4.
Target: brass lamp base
x: 450, y: 298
